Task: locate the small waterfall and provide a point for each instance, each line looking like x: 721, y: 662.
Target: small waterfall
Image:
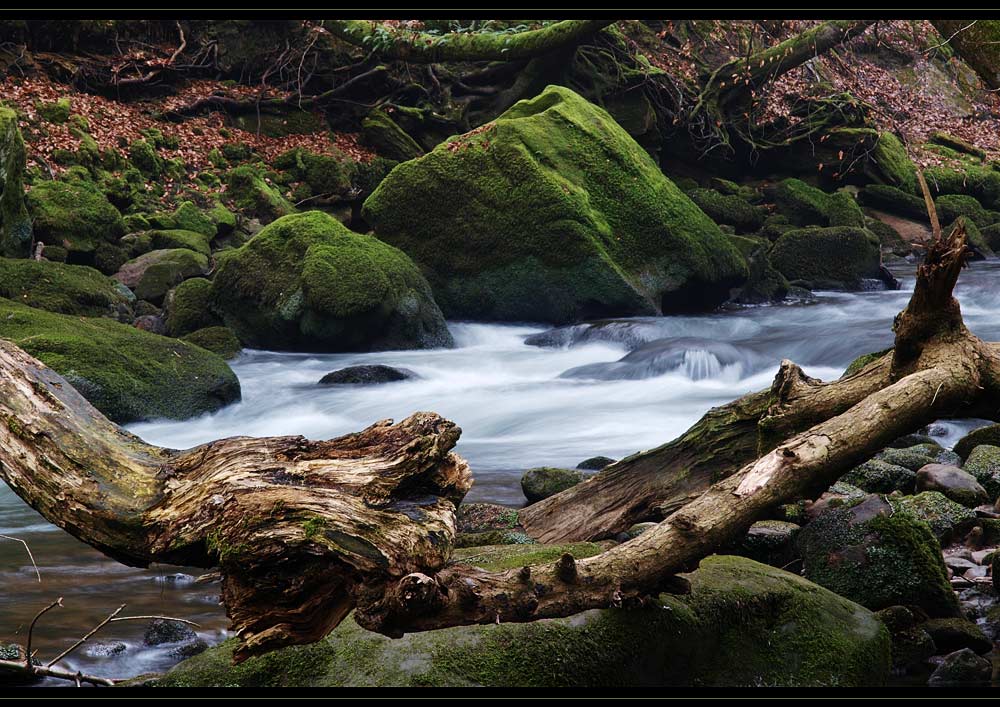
x: 700, y: 364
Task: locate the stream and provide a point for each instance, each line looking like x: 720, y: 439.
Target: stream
x: 519, y: 406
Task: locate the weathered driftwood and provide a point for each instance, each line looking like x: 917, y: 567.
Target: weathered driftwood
x: 294, y: 524
x: 304, y: 531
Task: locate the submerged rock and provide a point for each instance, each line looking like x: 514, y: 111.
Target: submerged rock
x: 545, y: 481
x: 306, y: 282
x: 552, y: 212
x: 694, y: 357
x: 743, y: 624
x: 366, y: 375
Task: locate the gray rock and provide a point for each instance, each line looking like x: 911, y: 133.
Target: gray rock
x: 162, y: 631
x: 962, y: 667
x: 958, y: 565
x: 880, y: 476
x: 912, y: 457
x: 958, y: 485
x: 595, y: 463
x: 106, y: 649
x: 545, y: 481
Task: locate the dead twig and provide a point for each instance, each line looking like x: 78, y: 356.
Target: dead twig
x: 83, y: 640
x: 26, y: 548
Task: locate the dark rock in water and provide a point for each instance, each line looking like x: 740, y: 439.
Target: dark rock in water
x: 366, y: 375
x: 877, y: 556
x: 162, y: 631
x: 791, y: 633
x: 630, y: 333
x: 960, y: 486
x: 954, y: 634
x: 984, y: 435
x: 595, y: 463
x: 482, y: 517
x: 962, y: 667
x: 911, y: 644
x: 106, y: 649
x: 546, y: 481
x: 13, y: 678
x: 698, y: 358
x: 191, y: 648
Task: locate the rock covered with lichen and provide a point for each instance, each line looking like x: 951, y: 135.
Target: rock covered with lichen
x: 306, y: 282
x: 744, y: 624
x: 15, y: 224
x: 553, y: 213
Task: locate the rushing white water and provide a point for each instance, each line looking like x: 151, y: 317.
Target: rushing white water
x: 516, y: 408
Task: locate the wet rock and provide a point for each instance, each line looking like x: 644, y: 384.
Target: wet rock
x: 913, y: 458
x: 695, y: 357
x: 177, y: 579
x: 956, y: 484
x: 545, y: 481
x: 974, y: 573
x: 366, y: 375
x: 189, y: 649
x: 877, y: 556
x: 958, y: 565
x: 983, y: 557
x: 840, y: 494
x: 638, y: 529
x: 162, y: 631
x: 962, y: 667
x: 106, y: 649
x: 595, y: 463
x: 151, y: 323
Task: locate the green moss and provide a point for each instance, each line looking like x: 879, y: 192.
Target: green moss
x: 545, y: 481
x: 828, y: 258
x: 306, y: 282
x: 325, y: 174
x: 950, y: 206
x: 990, y: 434
x: 894, y: 164
x: 145, y: 158
x: 843, y: 210
x: 217, y: 339
x: 492, y: 537
x: 55, y: 112
x: 946, y: 518
x: 877, y: 559
x: 255, y: 197
x: 980, y: 182
x: 314, y: 526
x: 173, y: 238
x: 382, y: 133
x: 15, y: 224
x: 189, y: 217
x: 802, y: 204
x: 984, y: 463
x: 878, y: 476
x: 563, y: 216
x: 128, y: 374
x: 729, y: 209
x: 223, y: 219
x: 74, y: 215
x: 153, y: 274
x: 957, y: 144
x: 66, y: 289
x: 743, y: 624
x: 189, y: 308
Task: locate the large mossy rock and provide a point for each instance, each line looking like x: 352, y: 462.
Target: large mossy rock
x: 743, y: 624
x: 66, y: 289
x: 15, y: 224
x: 878, y: 556
x: 126, y: 373
x: 841, y: 258
x: 306, y: 282
x: 153, y: 274
x: 553, y: 213
x: 74, y: 215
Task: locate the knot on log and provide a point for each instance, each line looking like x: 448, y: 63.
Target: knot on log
x: 417, y: 594
x: 566, y: 568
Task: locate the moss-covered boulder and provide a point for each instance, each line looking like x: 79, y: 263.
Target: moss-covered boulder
x: 730, y: 209
x: 306, y: 282
x: 950, y: 206
x: 956, y: 484
x: 879, y: 476
x: 894, y: 200
x: 152, y: 275
x: 126, y: 373
x: 801, y: 203
x: 189, y: 307
x: 990, y: 434
x: 984, y: 464
x: 828, y: 258
x: 879, y: 558
x: 66, y: 289
x: 947, y: 519
x: 552, y: 213
x: 546, y: 481
x: 74, y: 215
x: 254, y: 197
x: 743, y: 624
x: 140, y: 243
x: 217, y: 339
x: 382, y: 133
x: 893, y: 163
x: 15, y: 224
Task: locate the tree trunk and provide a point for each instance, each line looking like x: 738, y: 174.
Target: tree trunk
x: 304, y: 531
x: 407, y: 45
x: 977, y: 42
